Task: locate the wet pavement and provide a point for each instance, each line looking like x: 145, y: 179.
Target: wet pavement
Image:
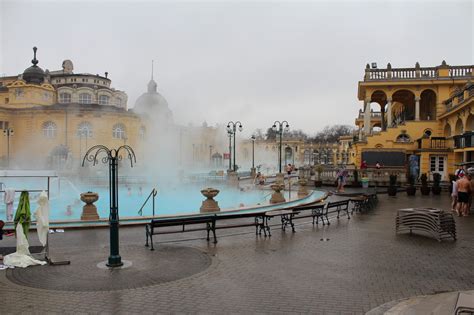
x: 350, y: 266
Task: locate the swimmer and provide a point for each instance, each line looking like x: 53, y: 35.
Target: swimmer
x: 69, y: 210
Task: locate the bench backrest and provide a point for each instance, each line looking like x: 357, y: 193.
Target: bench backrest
x: 182, y: 220
x: 343, y: 204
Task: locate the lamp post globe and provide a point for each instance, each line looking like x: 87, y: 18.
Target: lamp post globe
x: 232, y: 128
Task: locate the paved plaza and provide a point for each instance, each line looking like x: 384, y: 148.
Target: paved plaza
x: 351, y: 266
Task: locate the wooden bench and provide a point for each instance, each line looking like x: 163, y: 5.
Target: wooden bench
x: 208, y: 220
x: 338, y: 206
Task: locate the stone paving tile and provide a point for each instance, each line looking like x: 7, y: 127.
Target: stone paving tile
x: 364, y: 264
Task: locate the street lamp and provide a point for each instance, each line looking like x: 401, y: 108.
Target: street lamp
x: 229, y: 134
x: 232, y: 130
x: 280, y: 127
x: 210, y: 154
x: 112, y: 157
x: 8, y: 133
x: 252, y: 171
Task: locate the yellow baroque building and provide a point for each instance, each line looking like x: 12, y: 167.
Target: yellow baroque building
x: 50, y: 118
x: 425, y: 111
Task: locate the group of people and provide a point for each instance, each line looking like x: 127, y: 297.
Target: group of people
x: 463, y: 187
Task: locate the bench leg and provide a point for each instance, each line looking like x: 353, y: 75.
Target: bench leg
x: 146, y: 234
x: 327, y: 219
x: 151, y: 241
x: 266, y: 227
x: 213, y: 227
x: 208, y: 229
x: 338, y: 210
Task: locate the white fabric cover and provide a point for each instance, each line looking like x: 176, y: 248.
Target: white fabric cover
x: 42, y: 218
x: 9, y: 199
x: 22, y: 257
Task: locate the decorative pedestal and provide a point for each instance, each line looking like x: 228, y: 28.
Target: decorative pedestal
x: 89, y: 211
x: 277, y: 196
x: 280, y: 178
x: 302, y: 190
x: 253, y: 172
x: 233, y: 178
x: 209, y: 205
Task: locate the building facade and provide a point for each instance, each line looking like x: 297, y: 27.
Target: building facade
x: 416, y: 111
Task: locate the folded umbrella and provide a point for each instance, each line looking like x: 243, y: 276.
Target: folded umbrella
x: 42, y: 218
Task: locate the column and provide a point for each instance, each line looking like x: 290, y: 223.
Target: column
x: 367, y: 117
x: 417, y: 108
x: 389, y: 112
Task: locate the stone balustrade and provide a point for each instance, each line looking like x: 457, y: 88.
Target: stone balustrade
x: 417, y: 73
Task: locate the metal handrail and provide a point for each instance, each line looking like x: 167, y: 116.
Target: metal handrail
x: 153, y: 193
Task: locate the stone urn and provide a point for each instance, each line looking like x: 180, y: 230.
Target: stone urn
x: 277, y: 196
x: 89, y: 211
x: 302, y: 190
x: 280, y: 178
x: 209, y: 205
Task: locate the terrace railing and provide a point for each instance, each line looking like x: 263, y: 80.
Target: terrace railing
x: 417, y: 73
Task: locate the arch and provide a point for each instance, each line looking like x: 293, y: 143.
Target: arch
x: 118, y: 131
x: 459, y: 129
x: 403, y: 137
x: 84, y: 130
x: 427, y: 133
x: 379, y: 146
x: 469, y: 126
x: 379, y: 97
x: 288, y: 155
x: 50, y: 129
x: 406, y: 99
x: 428, y: 105
x: 447, y: 130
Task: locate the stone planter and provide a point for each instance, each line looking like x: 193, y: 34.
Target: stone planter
x: 209, y: 205
x: 302, y: 190
x: 277, y: 196
x: 280, y: 178
x: 89, y: 211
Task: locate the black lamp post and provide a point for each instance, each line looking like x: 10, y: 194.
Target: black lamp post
x: 112, y: 157
x: 8, y: 133
x: 229, y: 134
x: 253, y: 151
x: 210, y: 154
x: 232, y: 129
x: 280, y: 127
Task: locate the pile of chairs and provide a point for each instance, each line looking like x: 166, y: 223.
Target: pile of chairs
x: 435, y: 222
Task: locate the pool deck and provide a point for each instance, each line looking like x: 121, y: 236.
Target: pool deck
x: 349, y: 267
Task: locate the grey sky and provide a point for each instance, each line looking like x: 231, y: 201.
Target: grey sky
x: 250, y: 61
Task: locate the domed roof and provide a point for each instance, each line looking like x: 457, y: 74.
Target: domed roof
x: 153, y: 103
x: 34, y: 74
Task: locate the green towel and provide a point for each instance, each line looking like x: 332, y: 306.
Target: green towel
x: 23, y: 214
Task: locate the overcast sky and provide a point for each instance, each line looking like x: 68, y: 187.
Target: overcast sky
x: 250, y: 61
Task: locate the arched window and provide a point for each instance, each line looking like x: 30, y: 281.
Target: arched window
x: 104, y: 100
x: 118, y: 131
x: 50, y: 129
x: 142, y: 132
x: 427, y: 133
x: 84, y: 130
x: 85, y: 98
x: 64, y: 98
x: 403, y: 138
x: 119, y: 102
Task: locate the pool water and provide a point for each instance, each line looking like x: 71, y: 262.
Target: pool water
x: 65, y: 203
